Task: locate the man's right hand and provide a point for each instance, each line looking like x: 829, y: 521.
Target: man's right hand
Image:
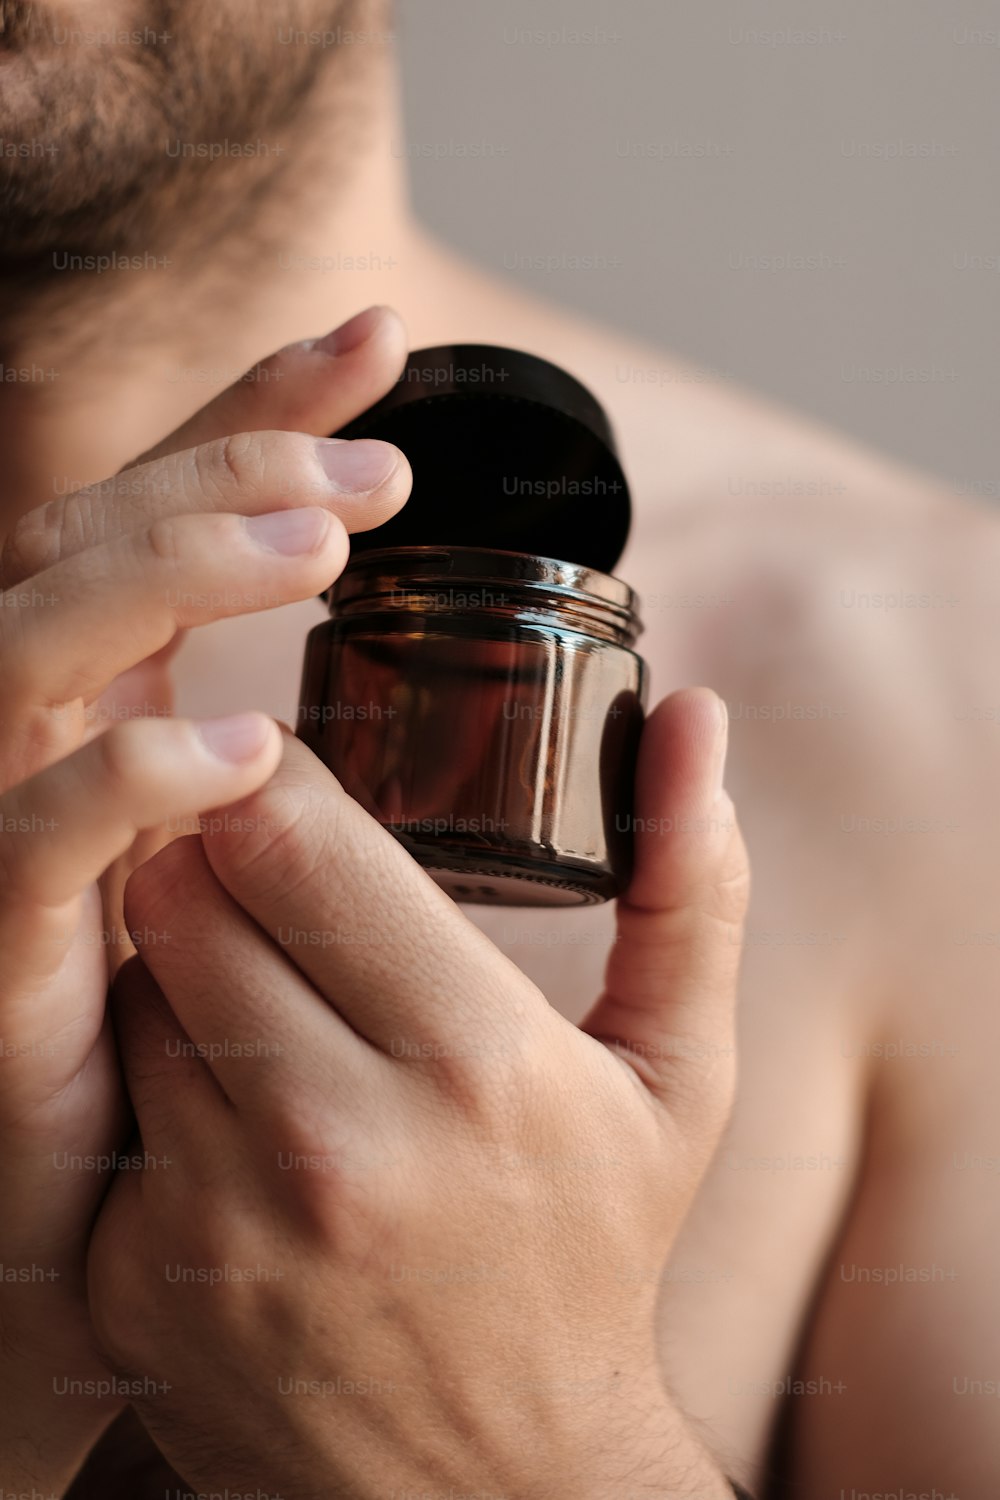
x: 239, y: 511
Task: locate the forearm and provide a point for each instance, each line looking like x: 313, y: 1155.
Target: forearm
x: 625, y: 1448
x: 678, y: 1465
x: 641, y: 1443
x: 42, y: 1444
x: 38, y: 1462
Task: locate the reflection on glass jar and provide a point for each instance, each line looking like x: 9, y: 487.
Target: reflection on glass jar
x: 486, y: 707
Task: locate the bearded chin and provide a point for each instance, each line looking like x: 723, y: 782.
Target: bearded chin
x: 21, y: 23
x: 84, y: 127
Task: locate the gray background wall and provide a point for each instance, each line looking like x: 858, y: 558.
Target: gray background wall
x: 866, y: 141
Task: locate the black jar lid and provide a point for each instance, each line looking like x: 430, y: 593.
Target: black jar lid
x: 508, y: 451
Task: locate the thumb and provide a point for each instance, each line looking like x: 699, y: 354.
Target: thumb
x: 670, y: 986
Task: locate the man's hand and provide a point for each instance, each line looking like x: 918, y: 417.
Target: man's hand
x: 98, y: 586
x: 387, y: 1251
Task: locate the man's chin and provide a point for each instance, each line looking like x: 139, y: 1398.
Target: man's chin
x: 91, y: 96
x: 23, y: 25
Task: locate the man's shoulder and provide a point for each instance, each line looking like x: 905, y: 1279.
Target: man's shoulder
x: 844, y: 604
x: 767, y: 548
x: 688, y: 429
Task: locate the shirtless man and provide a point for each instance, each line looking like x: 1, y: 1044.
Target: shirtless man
x: 828, y: 1315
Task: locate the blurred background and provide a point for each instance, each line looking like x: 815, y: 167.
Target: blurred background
x: 800, y: 196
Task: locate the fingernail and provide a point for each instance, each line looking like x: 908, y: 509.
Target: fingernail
x: 352, y: 334
x: 293, y: 533
x: 361, y: 465
x: 235, y: 739
x: 721, y: 747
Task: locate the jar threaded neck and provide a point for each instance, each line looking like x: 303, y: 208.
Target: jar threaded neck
x: 513, y: 587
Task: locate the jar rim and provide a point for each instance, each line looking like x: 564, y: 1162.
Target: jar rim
x: 375, y: 570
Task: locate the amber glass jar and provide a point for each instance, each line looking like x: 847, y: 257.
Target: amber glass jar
x: 477, y: 695
x: 486, y: 707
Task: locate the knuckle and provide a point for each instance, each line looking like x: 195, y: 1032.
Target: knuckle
x: 165, y: 542
x: 233, y: 462
x: 182, y: 541
x: 490, y: 1074
x: 256, y: 463
x: 339, y: 1186
x: 498, y: 1073
x: 37, y: 735
x: 178, y: 556
x: 123, y: 754
x: 240, y: 457
x: 272, y: 847
x: 31, y: 546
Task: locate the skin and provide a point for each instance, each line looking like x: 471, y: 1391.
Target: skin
x: 416, y: 1111
x: 97, y: 591
x: 757, y: 1286
x: 101, y: 794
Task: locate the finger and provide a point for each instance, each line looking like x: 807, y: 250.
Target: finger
x: 259, y: 1025
x: 249, y: 473
x: 315, y: 386
x: 670, y: 985
x: 64, y: 826
x: 174, y: 1096
x: 94, y: 616
x: 139, y: 692
x: 363, y: 921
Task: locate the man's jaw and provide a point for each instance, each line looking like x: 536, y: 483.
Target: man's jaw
x: 22, y: 23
